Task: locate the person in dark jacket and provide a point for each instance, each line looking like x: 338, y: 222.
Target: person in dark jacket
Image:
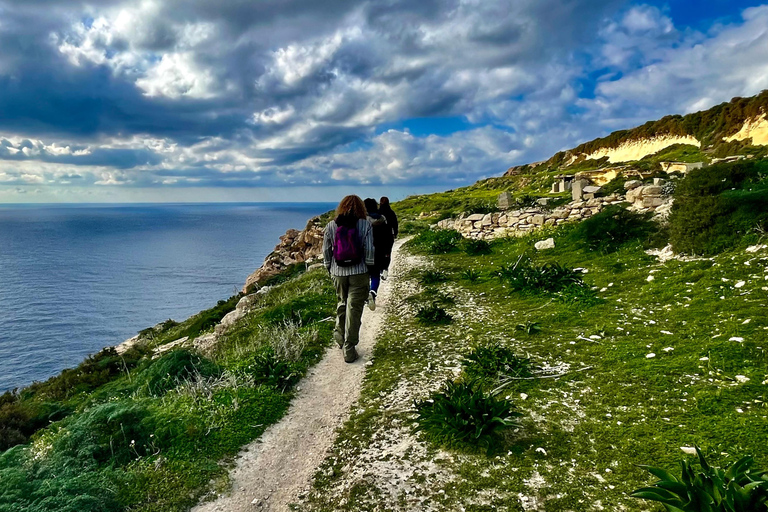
x: 387, y: 212
x: 382, y: 243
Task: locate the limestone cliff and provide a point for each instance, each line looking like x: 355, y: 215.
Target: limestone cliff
x: 305, y: 246
x: 735, y: 128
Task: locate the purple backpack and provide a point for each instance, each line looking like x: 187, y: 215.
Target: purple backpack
x: 347, y: 246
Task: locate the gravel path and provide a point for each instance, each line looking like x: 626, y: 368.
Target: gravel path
x: 276, y: 469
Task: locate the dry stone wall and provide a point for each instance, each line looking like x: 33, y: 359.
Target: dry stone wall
x: 520, y: 222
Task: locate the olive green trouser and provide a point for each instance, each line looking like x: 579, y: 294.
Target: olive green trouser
x: 351, y: 291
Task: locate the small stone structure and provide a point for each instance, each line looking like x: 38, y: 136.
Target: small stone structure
x: 682, y: 167
x: 563, y: 184
x: 505, y: 201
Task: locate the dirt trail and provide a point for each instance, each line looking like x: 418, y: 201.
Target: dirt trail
x: 276, y: 469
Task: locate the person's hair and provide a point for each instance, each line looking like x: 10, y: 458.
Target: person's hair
x: 370, y: 205
x: 384, y: 201
x: 352, y: 205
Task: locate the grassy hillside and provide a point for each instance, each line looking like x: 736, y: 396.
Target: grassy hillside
x: 617, y: 364
x: 135, y: 432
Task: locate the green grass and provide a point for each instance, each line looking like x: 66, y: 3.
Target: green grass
x: 582, y: 435
x: 155, y: 435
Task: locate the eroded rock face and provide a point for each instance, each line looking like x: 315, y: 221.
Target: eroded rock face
x: 294, y: 247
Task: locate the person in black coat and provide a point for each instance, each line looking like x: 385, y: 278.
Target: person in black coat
x: 391, y: 217
x: 382, y: 244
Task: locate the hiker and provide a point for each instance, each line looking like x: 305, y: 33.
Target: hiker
x: 347, y: 254
x: 382, y: 243
x: 387, y: 212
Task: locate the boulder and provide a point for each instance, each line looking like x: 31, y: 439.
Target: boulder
x: 652, y: 190
x: 247, y: 302
x: 475, y: 217
x: 549, y: 243
x: 538, y: 220
x: 632, y: 184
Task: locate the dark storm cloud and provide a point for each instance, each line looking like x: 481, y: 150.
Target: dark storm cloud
x: 281, y: 92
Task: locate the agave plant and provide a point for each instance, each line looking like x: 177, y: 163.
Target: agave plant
x: 462, y: 415
x: 709, y: 489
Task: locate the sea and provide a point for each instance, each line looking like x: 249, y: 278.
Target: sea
x: 77, y: 278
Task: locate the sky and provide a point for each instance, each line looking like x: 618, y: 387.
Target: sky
x: 307, y: 100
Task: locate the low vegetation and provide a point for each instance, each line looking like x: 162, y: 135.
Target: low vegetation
x: 630, y: 361
x: 736, y: 488
x: 461, y: 415
x: 137, y: 433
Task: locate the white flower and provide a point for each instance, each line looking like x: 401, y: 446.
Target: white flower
x: 740, y: 284
x: 736, y: 338
x: 650, y: 356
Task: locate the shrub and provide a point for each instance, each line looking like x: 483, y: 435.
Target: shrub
x: 210, y: 317
x: 611, y: 228
x: 476, y: 206
x: 412, y: 227
x: 19, y: 419
x: 717, y: 206
x: 470, y: 274
x: 550, y: 277
x: 430, y: 277
x: 614, y: 186
x: 578, y: 294
x: 734, y: 489
x: 708, y: 225
x: 461, y: 415
x: 173, y: 368
x: 95, y: 371
x: 440, y: 241
x: 432, y: 296
x: 288, y: 339
x: 475, y: 247
x: 114, y: 432
x: 490, y: 360
x: 270, y: 370
x: 434, y: 315
x: 302, y: 310
x: 529, y: 327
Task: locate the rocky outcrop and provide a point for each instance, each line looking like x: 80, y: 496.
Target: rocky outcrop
x: 304, y: 246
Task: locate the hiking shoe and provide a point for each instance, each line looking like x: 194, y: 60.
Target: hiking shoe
x: 384, y: 275
x: 372, y: 300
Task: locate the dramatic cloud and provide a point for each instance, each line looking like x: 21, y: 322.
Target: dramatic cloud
x: 191, y: 94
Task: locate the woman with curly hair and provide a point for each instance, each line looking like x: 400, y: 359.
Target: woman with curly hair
x: 347, y: 254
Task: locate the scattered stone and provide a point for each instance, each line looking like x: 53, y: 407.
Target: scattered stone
x: 549, y: 243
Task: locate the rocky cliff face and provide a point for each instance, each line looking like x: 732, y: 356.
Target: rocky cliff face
x: 305, y: 246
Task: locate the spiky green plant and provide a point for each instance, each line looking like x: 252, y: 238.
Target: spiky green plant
x: 491, y: 359
x: 529, y: 327
x: 709, y: 489
x: 430, y: 277
x: 433, y: 315
x: 475, y: 247
x: 470, y: 275
x: 526, y: 276
x: 461, y: 415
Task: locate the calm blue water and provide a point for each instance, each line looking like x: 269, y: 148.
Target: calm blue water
x: 74, y: 278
